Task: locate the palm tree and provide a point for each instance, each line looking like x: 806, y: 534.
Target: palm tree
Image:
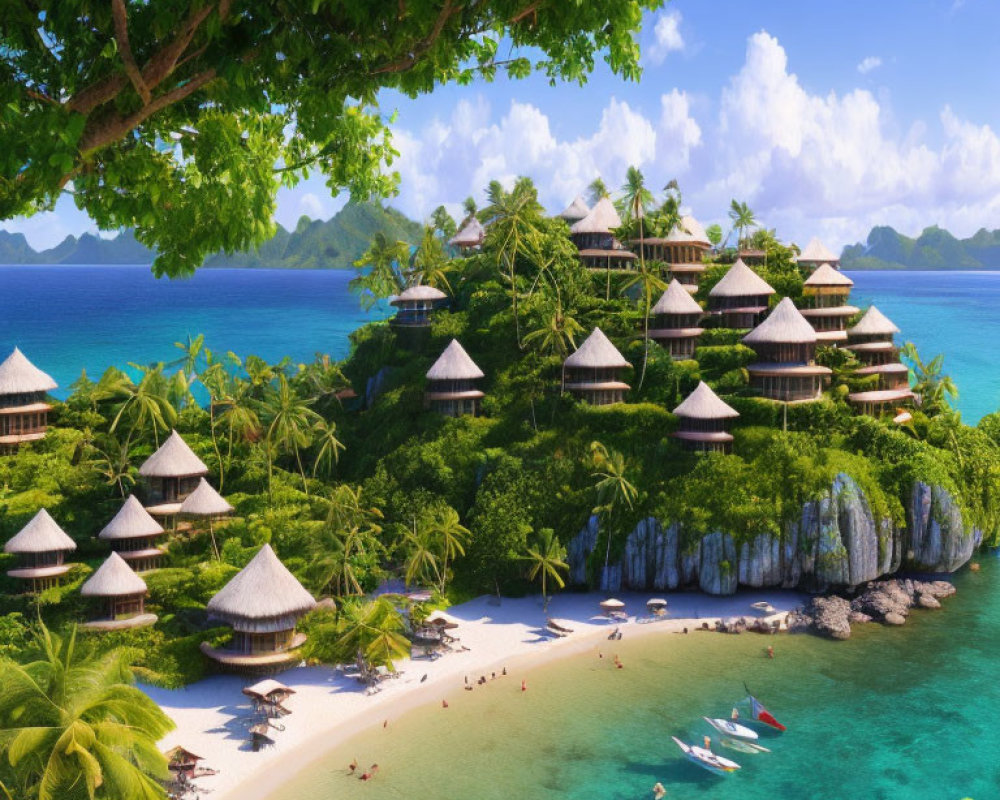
x: 430, y: 264
x: 743, y: 220
x: 337, y: 551
x: 290, y: 422
x: 330, y: 446
x: 193, y: 352
x: 546, y: 556
x: 597, y: 190
x: 470, y: 208
x: 145, y: 404
x: 113, y: 464
x: 72, y: 726
x: 421, y: 562
x: 373, y: 630
x: 614, y: 490
x: 650, y: 284
x: 384, y: 260
x: 636, y: 198
x: 449, y: 537
x: 442, y: 221
x: 238, y: 414
x: 935, y: 389
x: 557, y: 335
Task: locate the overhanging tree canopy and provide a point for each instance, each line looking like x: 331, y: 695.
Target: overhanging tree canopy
x: 182, y: 118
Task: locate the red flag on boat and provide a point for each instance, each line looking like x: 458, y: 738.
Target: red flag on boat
x: 758, y: 712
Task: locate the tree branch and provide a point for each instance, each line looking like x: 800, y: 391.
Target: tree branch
x: 403, y: 64
x: 125, y: 51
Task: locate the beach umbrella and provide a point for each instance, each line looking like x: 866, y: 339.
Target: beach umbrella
x: 440, y: 619
x: 656, y: 602
x: 612, y: 604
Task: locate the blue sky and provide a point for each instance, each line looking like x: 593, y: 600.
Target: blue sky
x: 827, y: 118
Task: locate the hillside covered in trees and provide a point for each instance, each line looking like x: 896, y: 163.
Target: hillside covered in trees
x: 934, y: 249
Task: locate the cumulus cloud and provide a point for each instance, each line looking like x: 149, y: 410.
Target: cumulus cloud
x: 869, y: 63
x: 311, y: 205
x: 667, y: 36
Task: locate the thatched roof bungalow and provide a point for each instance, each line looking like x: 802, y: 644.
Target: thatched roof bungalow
x: 825, y: 294
x: 470, y: 237
x: 740, y: 298
x: 575, y: 211
x: 593, y: 235
x: 170, y: 475
x: 815, y: 254
x: 416, y: 306
x: 684, y: 250
x: 785, y: 344
x: 261, y: 603
x: 133, y: 535
x: 123, y: 595
x: 451, y: 383
x: 24, y: 407
x: 593, y: 372
x: 675, y: 321
x: 872, y: 342
x: 704, y: 421
x: 41, y: 547
x: 204, y: 501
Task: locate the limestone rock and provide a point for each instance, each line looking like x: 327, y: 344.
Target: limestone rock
x: 928, y: 601
x: 830, y: 616
x: 892, y: 618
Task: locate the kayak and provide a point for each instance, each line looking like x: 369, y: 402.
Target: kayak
x: 742, y: 746
x: 706, y: 759
x: 729, y: 728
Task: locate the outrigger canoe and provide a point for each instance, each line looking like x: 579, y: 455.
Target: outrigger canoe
x: 728, y: 727
x: 706, y: 759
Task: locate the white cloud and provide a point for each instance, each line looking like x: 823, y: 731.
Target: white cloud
x: 667, y: 36
x: 869, y: 63
x: 311, y: 205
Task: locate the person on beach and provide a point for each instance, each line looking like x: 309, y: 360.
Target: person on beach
x: 524, y: 686
x: 735, y: 715
x: 444, y: 704
x: 658, y: 791
x: 504, y: 671
x: 352, y: 767
x: 770, y: 651
x: 708, y: 743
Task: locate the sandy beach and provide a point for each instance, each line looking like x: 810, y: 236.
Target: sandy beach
x: 212, y: 716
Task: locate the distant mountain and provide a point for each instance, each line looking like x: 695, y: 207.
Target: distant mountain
x: 934, y: 249
x: 314, y: 244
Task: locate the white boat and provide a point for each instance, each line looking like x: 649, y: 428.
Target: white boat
x: 706, y: 759
x: 743, y: 747
x: 764, y: 607
x: 728, y: 727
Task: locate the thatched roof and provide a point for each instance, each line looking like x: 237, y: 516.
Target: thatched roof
x: 601, y: 219
x: 816, y: 252
x: 267, y: 687
x: 20, y: 376
x: 40, y: 535
x: 204, y: 501
x: 576, y: 210
x: 114, y: 578
x: 784, y: 325
x: 263, y: 589
x: 741, y: 281
x: 131, y: 522
x: 174, y: 459
x: 873, y: 323
x: 596, y: 352
x: 825, y: 275
x: 471, y: 235
x: 416, y: 293
x: 689, y: 230
x: 676, y: 300
x: 454, y: 364
x: 703, y: 403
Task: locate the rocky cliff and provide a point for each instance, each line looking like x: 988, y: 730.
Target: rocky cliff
x: 835, y: 542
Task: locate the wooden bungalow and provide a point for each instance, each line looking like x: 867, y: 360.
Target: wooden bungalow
x: 593, y: 372
x: 416, y: 306
x: 24, y: 406
x: 872, y: 342
x: 471, y: 237
x: 575, y: 211
x: 599, y: 249
x: 451, y: 383
x: 122, y: 594
x: 740, y: 298
x: 267, y: 697
x: 704, y: 421
x: 683, y: 250
x: 815, y: 254
x: 261, y: 603
x: 133, y: 534
x: 675, y: 321
x: 785, y: 344
x: 753, y: 256
x: 205, y: 503
x: 825, y: 296
x: 170, y: 475
x: 41, y: 547
x: 183, y: 764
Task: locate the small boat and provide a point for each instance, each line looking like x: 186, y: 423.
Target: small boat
x: 743, y: 746
x: 761, y: 714
x: 706, y: 759
x: 728, y: 727
x: 764, y: 607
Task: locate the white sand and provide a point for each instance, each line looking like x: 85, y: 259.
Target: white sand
x: 212, y: 715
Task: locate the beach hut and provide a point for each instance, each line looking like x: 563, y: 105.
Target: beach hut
x: 614, y: 609
x: 170, y: 475
x: 267, y: 697
x: 575, y: 211
x: 872, y: 342
x: 470, y: 237
x: 675, y: 321
x: 593, y: 235
x: 182, y: 763
x: 593, y: 372
x: 704, y: 421
x: 740, y: 297
x: 207, y: 504
x: 785, y: 344
x: 416, y: 306
x: 815, y: 254
x: 41, y: 547
x: 825, y: 296
x: 261, y: 603
x: 122, y: 594
x: 133, y: 534
x: 24, y: 406
x: 451, y: 383
x: 683, y: 250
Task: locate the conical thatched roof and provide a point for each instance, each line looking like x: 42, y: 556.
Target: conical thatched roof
x: 816, y: 251
x: 40, y: 535
x: 873, y: 323
x: 825, y: 275
x: 596, y: 352
x: 703, y: 403
x: 689, y: 230
x: 784, y: 325
x: 420, y: 292
x: 576, y: 210
x: 20, y: 376
x: 204, y: 501
x: 741, y: 281
x: 454, y: 364
x: 263, y: 589
x: 174, y: 459
x: 113, y: 578
x: 601, y: 219
x: 131, y: 522
x: 676, y: 300
x: 470, y: 236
